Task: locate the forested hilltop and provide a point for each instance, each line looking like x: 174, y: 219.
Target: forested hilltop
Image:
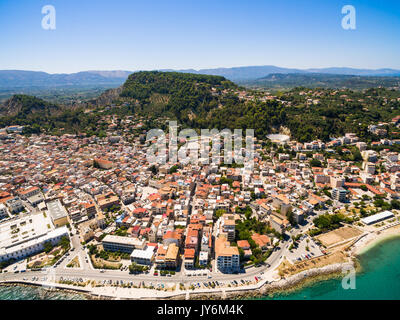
x: 182, y: 95
x: 202, y: 101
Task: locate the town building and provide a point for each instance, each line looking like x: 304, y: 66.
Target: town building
x: 23, y: 237
x: 143, y: 256
x: 122, y: 244
x: 339, y: 194
x: 227, y: 257
x: 58, y: 213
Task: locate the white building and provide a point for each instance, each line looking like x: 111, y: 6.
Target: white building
x: 203, y: 258
x: 23, y: 237
x: 369, y: 167
x: 122, y: 244
x: 15, y: 205
x: 339, y: 194
x: 3, y: 211
x: 143, y: 256
x: 337, y: 182
x: 227, y: 257
x: 378, y: 217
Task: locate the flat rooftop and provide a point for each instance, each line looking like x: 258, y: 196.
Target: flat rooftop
x: 378, y: 217
x: 123, y: 240
x: 147, y: 253
x: 57, y: 210
x: 16, y: 231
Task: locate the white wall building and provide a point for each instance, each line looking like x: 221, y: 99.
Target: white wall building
x: 22, y: 237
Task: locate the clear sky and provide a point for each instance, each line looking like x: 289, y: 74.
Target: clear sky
x: 157, y: 34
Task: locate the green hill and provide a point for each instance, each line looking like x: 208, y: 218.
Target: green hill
x: 181, y: 95
x: 24, y: 105
x: 203, y: 101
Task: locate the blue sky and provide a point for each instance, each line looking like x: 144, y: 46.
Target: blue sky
x: 154, y: 34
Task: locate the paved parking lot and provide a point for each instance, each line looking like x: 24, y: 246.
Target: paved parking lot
x: 300, y: 251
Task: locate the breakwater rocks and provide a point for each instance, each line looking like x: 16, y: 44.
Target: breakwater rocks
x: 47, y: 292
x: 289, y: 284
x: 284, y: 285
x: 303, y: 278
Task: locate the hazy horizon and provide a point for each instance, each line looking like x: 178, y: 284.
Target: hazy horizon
x: 199, y: 69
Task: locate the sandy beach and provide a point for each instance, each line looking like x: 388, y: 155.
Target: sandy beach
x: 374, y: 238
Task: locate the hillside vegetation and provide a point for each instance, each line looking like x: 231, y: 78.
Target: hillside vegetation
x: 174, y: 94
x: 23, y: 105
x: 202, y: 101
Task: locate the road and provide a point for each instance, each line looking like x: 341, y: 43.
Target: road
x: 87, y: 273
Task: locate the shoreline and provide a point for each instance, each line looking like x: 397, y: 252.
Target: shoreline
x: 374, y: 239
x: 54, y: 289
x: 292, y: 283
x: 282, y: 286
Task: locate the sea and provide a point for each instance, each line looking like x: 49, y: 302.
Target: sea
x: 36, y: 293
x: 378, y: 280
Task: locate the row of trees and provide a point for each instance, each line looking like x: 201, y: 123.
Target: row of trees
x: 137, y: 268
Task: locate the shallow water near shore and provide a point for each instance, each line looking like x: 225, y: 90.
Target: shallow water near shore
x: 379, y: 279
x: 36, y: 293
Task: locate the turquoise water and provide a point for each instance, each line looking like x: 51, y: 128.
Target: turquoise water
x: 35, y: 293
x: 380, y: 278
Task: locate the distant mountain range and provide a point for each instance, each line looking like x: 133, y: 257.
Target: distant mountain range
x: 12, y: 79
x: 17, y: 79
x: 256, y: 72
x: 322, y: 80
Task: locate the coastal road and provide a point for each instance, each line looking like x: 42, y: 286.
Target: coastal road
x: 86, y: 272
x: 117, y: 275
